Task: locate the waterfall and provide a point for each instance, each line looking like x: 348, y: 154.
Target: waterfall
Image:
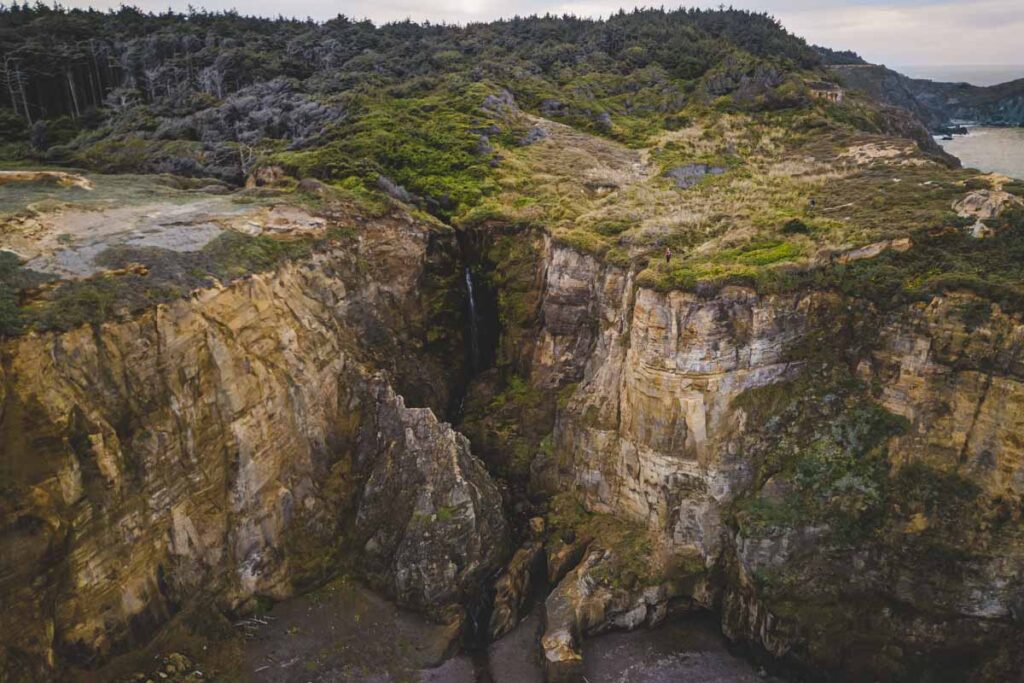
x: 474, y: 327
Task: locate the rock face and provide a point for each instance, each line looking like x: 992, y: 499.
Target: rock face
x: 512, y: 588
x: 430, y: 513
x: 582, y: 604
x: 219, y: 448
x: 982, y: 205
x: 59, y: 177
x: 659, y: 424
x: 842, y: 483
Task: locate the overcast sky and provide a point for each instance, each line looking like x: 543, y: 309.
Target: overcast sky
x: 892, y: 32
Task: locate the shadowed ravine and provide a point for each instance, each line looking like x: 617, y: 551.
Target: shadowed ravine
x: 615, y: 465
x: 645, y: 348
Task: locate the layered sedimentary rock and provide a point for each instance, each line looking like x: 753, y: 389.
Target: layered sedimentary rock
x: 841, y: 482
x: 658, y: 430
x: 220, y: 448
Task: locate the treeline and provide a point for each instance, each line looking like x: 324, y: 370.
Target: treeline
x: 832, y: 57
x: 66, y: 62
x: 70, y: 62
x: 213, y: 94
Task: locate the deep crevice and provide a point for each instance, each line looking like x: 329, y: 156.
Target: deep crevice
x: 481, y: 325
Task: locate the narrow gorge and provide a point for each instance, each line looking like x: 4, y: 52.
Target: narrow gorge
x: 644, y: 451
x: 546, y: 349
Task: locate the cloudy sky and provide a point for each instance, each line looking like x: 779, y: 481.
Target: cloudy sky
x: 892, y: 32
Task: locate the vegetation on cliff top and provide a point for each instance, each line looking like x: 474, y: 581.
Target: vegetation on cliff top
x: 134, y: 278
x: 692, y: 131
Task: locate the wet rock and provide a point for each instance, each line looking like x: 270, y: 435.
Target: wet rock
x: 515, y: 657
x: 687, y: 649
x: 344, y: 632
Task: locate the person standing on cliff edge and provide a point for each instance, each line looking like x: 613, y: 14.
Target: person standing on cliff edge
x: 668, y: 255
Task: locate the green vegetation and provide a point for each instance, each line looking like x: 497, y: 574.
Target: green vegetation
x: 426, y: 144
x: 446, y: 119
x: 12, y: 279
x: 508, y: 428
x: 837, y: 476
x: 819, y: 444
x: 128, y: 153
x: 233, y: 254
x: 941, y: 260
x: 632, y: 561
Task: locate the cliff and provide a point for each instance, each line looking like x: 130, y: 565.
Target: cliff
x: 935, y: 103
x: 841, y: 481
x: 238, y: 444
x: 786, y: 391
x: 837, y: 476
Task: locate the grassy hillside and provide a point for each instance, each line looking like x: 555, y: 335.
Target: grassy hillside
x: 694, y: 131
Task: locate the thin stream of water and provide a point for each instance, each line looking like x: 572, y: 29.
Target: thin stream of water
x: 474, y: 325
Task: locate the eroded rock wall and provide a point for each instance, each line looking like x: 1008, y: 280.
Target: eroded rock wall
x: 657, y: 429
x: 223, y: 447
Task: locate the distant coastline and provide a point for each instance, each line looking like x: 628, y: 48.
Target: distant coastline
x: 975, y: 74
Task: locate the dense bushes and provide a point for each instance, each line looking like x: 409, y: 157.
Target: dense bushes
x: 429, y: 145
x: 401, y: 100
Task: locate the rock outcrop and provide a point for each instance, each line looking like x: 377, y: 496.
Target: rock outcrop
x: 934, y: 103
x: 234, y: 445
x: 430, y: 514
x: 59, y: 177
x: 658, y: 424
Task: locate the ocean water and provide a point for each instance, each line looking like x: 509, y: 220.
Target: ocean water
x: 975, y: 74
x: 989, y: 149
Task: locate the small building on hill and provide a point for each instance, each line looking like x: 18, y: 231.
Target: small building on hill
x: 826, y: 91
